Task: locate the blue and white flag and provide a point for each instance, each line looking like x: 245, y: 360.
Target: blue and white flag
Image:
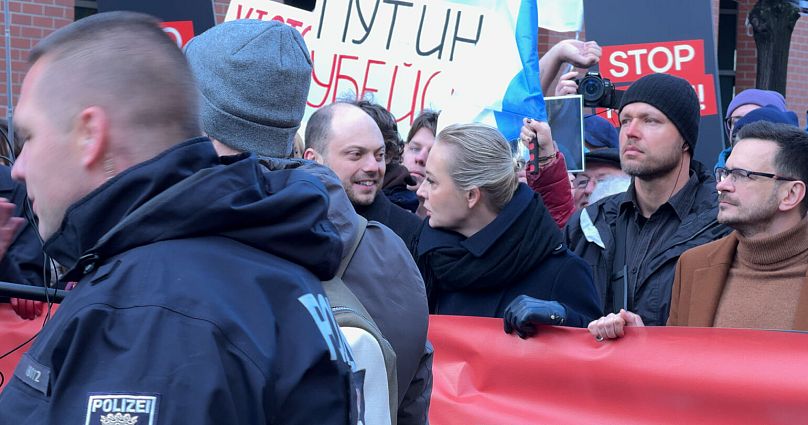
x: 505, y: 86
x: 561, y: 15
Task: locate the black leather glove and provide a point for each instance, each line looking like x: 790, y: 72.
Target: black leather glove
x: 524, y: 313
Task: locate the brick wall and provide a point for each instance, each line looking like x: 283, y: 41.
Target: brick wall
x: 30, y: 22
x: 746, y: 67
x: 220, y: 8
x: 797, y: 86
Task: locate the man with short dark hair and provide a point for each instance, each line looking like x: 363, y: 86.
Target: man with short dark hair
x: 632, y: 240
x: 418, y: 145
x: 756, y: 276
x: 198, y: 297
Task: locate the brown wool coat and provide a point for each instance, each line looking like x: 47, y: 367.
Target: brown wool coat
x: 699, y: 282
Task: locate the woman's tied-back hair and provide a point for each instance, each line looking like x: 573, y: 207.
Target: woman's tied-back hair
x: 482, y: 159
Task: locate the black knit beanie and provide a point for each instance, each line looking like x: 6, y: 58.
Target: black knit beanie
x: 674, y: 97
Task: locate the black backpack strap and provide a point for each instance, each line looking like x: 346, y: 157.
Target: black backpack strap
x: 360, y: 233
x: 335, y: 289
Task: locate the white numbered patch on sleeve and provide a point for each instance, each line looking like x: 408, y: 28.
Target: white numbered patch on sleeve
x: 122, y: 409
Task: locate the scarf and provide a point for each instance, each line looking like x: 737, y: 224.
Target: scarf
x: 528, y: 240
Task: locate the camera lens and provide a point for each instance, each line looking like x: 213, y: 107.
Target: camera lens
x: 591, y: 89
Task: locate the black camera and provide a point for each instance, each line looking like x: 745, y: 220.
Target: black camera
x: 598, y: 92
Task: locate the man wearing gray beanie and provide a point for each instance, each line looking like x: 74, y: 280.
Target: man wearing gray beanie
x: 633, y: 240
x: 254, y: 78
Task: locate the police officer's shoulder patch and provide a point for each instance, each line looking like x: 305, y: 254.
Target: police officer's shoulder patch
x: 122, y: 409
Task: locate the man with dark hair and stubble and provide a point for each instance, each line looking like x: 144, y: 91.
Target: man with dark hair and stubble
x: 756, y: 277
x: 343, y: 137
x: 632, y: 240
x: 396, y: 177
x: 198, y: 296
x: 390, y: 206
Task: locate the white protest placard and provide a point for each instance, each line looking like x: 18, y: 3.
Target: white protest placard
x: 408, y: 55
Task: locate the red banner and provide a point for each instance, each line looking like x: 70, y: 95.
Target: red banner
x: 653, y: 375
x: 14, y: 332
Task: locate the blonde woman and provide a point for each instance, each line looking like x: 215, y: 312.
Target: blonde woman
x: 490, y: 248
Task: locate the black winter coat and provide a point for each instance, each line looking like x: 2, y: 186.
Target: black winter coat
x: 590, y: 233
x: 404, y: 223
x: 198, y: 301
x: 519, y: 253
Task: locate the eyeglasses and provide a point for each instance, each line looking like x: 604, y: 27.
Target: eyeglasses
x: 582, y: 181
x: 738, y: 174
x: 730, y: 122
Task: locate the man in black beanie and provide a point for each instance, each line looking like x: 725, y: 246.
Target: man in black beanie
x: 633, y: 240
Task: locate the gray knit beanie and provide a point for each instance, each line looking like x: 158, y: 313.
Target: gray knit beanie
x: 254, y: 79
x: 674, y: 97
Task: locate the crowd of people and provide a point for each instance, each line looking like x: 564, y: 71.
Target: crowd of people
x: 199, y: 231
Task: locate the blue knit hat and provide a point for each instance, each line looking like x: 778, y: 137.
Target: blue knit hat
x: 674, y: 97
x: 757, y: 97
x: 770, y: 113
x: 254, y: 78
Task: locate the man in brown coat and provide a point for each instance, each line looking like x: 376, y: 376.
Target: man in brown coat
x: 754, y: 277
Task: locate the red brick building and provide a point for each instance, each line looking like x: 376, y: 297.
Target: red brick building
x: 33, y: 19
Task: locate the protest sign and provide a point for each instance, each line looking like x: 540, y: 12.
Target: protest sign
x: 412, y: 55
x: 565, y: 118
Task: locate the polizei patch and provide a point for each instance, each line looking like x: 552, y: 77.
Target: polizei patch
x: 122, y: 409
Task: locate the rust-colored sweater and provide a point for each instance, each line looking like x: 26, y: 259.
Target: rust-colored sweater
x: 765, y: 281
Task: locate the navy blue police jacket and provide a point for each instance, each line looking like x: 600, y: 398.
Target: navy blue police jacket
x: 198, y: 302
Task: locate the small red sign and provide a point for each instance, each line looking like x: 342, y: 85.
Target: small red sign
x: 180, y: 31
x: 629, y: 62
